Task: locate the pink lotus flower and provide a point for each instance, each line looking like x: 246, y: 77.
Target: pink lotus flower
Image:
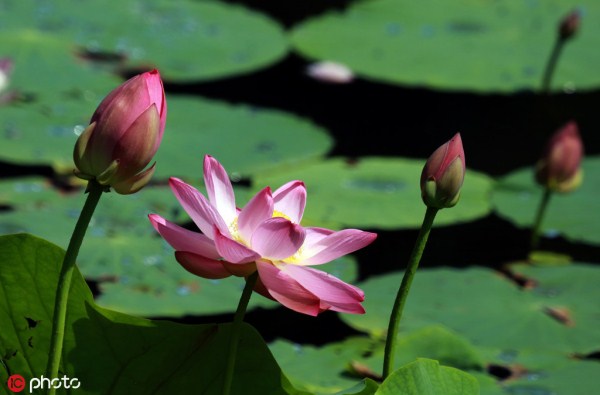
x: 123, y: 135
x: 443, y: 175
x: 559, y: 168
x: 266, y: 236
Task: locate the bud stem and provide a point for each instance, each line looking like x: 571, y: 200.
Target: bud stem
x: 535, y: 231
x: 551, y: 65
x: 64, y: 280
x: 409, y: 274
x: 236, y: 328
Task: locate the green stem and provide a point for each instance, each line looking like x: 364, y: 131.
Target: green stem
x: 551, y: 65
x: 409, y: 274
x: 64, y: 280
x: 537, y: 224
x: 236, y: 331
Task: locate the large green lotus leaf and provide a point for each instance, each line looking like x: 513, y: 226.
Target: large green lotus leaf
x: 517, y: 196
x: 489, y: 310
x: 488, y: 385
x: 136, y: 268
x: 365, y: 387
x: 185, y: 39
x: 321, y: 370
x: 47, y: 68
x: 427, y: 377
x: 110, y: 352
x: 244, y: 139
x: 460, y: 45
x: 376, y: 193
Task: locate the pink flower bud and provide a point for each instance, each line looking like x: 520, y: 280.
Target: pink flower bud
x: 559, y: 167
x: 6, y: 66
x: 123, y: 135
x: 443, y: 175
x: 569, y: 25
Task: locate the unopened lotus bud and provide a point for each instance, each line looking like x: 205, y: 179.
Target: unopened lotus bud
x: 569, y: 25
x: 330, y: 72
x: 6, y: 66
x: 123, y: 135
x: 443, y: 175
x: 559, y: 168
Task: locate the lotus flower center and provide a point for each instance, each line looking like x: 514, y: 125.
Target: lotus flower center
x: 281, y: 215
x: 234, y: 229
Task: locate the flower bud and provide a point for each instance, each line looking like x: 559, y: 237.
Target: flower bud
x: 559, y: 167
x: 123, y: 135
x: 443, y: 175
x: 330, y: 72
x: 569, y: 25
x: 6, y: 66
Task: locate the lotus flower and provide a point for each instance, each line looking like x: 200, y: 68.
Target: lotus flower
x: 265, y: 235
x: 123, y: 135
x: 559, y: 168
x: 443, y: 175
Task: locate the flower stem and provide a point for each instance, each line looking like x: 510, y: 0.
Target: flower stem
x: 409, y: 274
x: 551, y: 65
x: 94, y: 191
x: 537, y: 224
x: 236, y: 330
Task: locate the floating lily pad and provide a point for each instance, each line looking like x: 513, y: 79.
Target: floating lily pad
x: 574, y: 378
x: 326, y: 369
x: 244, y: 139
x: 376, y: 193
x: 110, y: 352
x: 517, y: 196
x: 136, y: 269
x: 565, y: 285
x: 460, y: 45
x: 435, y: 342
x: 47, y: 68
x: 159, y: 286
x: 490, y: 311
x: 321, y: 370
x: 427, y: 377
x: 539, y: 372
x: 43, y: 134
x: 186, y: 40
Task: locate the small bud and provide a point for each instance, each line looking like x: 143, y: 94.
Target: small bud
x: 443, y: 175
x: 6, y: 66
x: 123, y: 135
x: 559, y: 167
x: 569, y: 25
x: 330, y: 72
